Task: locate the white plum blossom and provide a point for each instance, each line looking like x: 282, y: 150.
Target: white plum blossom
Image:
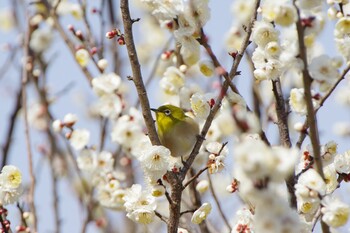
x: 79, y: 138
x: 111, y: 195
x: 106, y: 84
x: 102, y: 64
x: 342, y: 39
x: 323, y: 70
x: 309, y: 4
x: 201, y: 214
x: 139, y: 205
x: 263, y: 33
x: 335, y: 212
x: 40, y: 40
x: 57, y: 125
x: 206, y: 67
x: 10, y: 177
x: 37, y: 116
x: 86, y: 160
x: 267, y: 66
x: 282, y: 13
x: 109, y: 106
x: 330, y: 177
x: 243, y: 221
x: 217, y: 156
x: 70, y: 119
x: 7, y: 21
x: 297, y: 101
x: 272, y: 214
x: 126, y: 131
x: 243, y: 10
x: 259, y: 161
x: 182, y: 230
x: 200, y: 105
x: 190, y: 47
x: 312, y: 181
x: 83, y: 57
x: 155, y: 162
x: 197, y: 11
x: 74, y: 9
x: 105, y: 161
x: 158, y: 190
x: 234, y: 37
x: 202, y: 186
x: 172, y: 81
x: 10, y: 184
x: 342, y: 162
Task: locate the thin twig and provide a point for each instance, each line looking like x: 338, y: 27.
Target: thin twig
x: 323, y: 100
x: 7, y: 64
x: 26, y: 130
x: 311, y: 115
x: 307, y: 80
x: 13, y: 119
x: 282, y: 123
x: 161, y: 217
x: 219, y: 99
x: 187, y: 211
x: 66, y: 39
x: 160, y: 182
x: 23, y: 220
x: 195, y: 177
x: 216, y: 200
x: 196, y: 200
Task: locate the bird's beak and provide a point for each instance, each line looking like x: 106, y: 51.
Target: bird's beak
x: 154, y: 110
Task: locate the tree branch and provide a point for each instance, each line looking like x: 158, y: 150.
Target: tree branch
x: 136, y: 71
x: 26, y: 127
x: 311, y: 115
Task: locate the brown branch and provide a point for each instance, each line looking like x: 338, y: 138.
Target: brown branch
x: 136, y: 71
x: 53, y: 147
x: 219, y: 99
x: 307, y: 80
x: 228, y: 77
x: 187, y: 211
x: 161, y: 217
x: 21, y: 211
x: 216, y: 200
x: 7, y: 64
x: 194, y: 177
x: 311, y: 115
x: 26, y: 128
x: 323, y: 100
x: 114, y: 24
x: 66, y: 39
x: 196, y: 201
x: 103, y: 124
x: 13, y: 118
x: 282, y: 116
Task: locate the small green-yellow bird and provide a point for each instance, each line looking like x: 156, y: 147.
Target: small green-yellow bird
x: 176, y: 131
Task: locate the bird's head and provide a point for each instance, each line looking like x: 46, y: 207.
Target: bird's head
x: 168, y: 115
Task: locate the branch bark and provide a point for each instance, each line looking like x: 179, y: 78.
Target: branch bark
x: 26, y: 128
x: 136, y: 72
x: 311, y: 114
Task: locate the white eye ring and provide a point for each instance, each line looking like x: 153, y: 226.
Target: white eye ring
x: 167, y: 112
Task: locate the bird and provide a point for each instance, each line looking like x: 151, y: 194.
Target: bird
x: 176, y: 131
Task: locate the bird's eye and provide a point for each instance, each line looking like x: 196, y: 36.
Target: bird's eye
x: 167, y: 112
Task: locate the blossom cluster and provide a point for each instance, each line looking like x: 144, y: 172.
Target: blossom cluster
x: 10, y: 184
